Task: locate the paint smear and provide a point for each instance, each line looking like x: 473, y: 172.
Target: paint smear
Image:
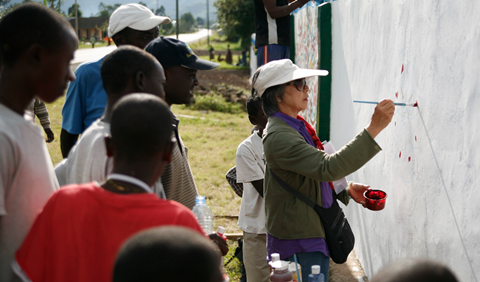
x: 415, y: 104
x: 415, y: 138
x: 402, y: 69
x: 400, y: 155
x: 396, y: 94
x: 409, y: 158
x: 395, y: 123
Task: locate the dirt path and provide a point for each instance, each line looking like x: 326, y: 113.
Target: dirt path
x: 238, y: 78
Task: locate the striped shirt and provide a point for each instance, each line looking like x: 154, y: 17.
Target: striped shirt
x: 38, y: 108
x: 177, y: 178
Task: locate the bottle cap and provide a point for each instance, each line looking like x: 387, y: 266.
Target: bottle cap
x: 275, y: 257
x: 200, y: 200
x: 221, y: 230
x: 315, y: 269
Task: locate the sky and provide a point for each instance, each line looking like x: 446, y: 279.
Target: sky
x: 198, y: 8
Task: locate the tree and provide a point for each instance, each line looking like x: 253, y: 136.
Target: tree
x: 54, y: 5
x: 160, y: 11
x: 3, y: 7
x: 187, y: 22
x: 236, y: 18
x: 200, y: 21
x: 142, y: 3
x: 106, y: 10
x: 71, y: 11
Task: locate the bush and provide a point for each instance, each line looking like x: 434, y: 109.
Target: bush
x: 214, y: 102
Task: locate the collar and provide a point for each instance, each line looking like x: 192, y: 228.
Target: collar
x: 293, y: 122
x: 132, y: 180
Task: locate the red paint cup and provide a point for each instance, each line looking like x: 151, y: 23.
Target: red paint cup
x: 375, y: 199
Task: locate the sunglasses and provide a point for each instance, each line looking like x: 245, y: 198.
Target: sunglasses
x: 299, y: 84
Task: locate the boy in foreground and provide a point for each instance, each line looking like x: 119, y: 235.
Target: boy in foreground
x: 35, y: 62
x: 82, y: 227
x: 164, y: 253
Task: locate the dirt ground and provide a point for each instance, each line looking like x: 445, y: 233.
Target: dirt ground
x: 238, y: 78
x: 351, y: 271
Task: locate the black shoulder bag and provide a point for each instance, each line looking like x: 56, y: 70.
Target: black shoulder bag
x: 339, y: 235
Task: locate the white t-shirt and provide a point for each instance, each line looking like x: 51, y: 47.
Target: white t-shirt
x: 27, y: 180
x: 88, y: 160
x: 251, y: 167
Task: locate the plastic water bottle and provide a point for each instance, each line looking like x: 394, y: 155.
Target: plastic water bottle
x: 280, y: 272
x: 316, y: 276
x: 203, y: 214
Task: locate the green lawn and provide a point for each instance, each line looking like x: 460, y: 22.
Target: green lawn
x: 218, y: 42
x: 212, y: 139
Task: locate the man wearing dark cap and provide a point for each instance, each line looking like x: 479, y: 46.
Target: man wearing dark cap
x: 180, y: 65
x: 129, y: 24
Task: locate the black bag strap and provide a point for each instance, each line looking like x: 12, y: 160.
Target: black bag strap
x: 296, y: 193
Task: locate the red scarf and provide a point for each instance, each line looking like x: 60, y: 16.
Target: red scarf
x: 315, y: 139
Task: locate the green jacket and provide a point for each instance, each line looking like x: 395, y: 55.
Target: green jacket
x: 303, y: 167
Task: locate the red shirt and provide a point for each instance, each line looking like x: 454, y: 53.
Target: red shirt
x: 79, y: 232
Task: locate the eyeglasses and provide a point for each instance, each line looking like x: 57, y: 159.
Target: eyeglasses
x: 299, y: 84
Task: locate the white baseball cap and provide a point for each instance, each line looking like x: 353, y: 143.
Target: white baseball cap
x: 279, y: 72
x: 134, y: 16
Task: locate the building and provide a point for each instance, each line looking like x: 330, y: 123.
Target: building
x: 87, y: 27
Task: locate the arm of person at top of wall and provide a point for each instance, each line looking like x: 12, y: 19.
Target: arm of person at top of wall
x: 281, y: 11
x: 258, y: 185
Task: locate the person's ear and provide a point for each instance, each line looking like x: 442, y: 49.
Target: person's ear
x: 252, y: 119
x: 167, y: 74
x: 34, y: 55
x: 109, y: 146
x: 140, y: 80
x: 118, y: 39
x: 168, y: 152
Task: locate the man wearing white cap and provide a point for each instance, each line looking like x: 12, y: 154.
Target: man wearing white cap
x: 130, y: 24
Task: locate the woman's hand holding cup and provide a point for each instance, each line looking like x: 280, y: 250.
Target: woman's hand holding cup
x: 356, y: 190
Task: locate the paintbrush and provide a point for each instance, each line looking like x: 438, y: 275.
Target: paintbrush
x: 396, y: 104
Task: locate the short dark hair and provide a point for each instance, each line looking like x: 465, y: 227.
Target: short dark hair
x: 27, y: 25
x: 141, y: 126
x: 122, y: 64
x: 269, y: 96
x: 413, y: 270
x: 170, y: 253
x: 254, y: 103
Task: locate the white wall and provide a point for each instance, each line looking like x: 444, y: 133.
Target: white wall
x: 433, y: 205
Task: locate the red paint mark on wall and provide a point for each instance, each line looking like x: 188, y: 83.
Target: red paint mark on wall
x: 415, y: 138
x: 400, y: 155
x: 402, y: 69
x: 409, y: 158
x: 396, y: 94
x: 395, y: 123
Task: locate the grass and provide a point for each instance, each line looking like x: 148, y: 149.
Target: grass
x: 212, y: 139
x: 218, y: 42
x: 216, y: 103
